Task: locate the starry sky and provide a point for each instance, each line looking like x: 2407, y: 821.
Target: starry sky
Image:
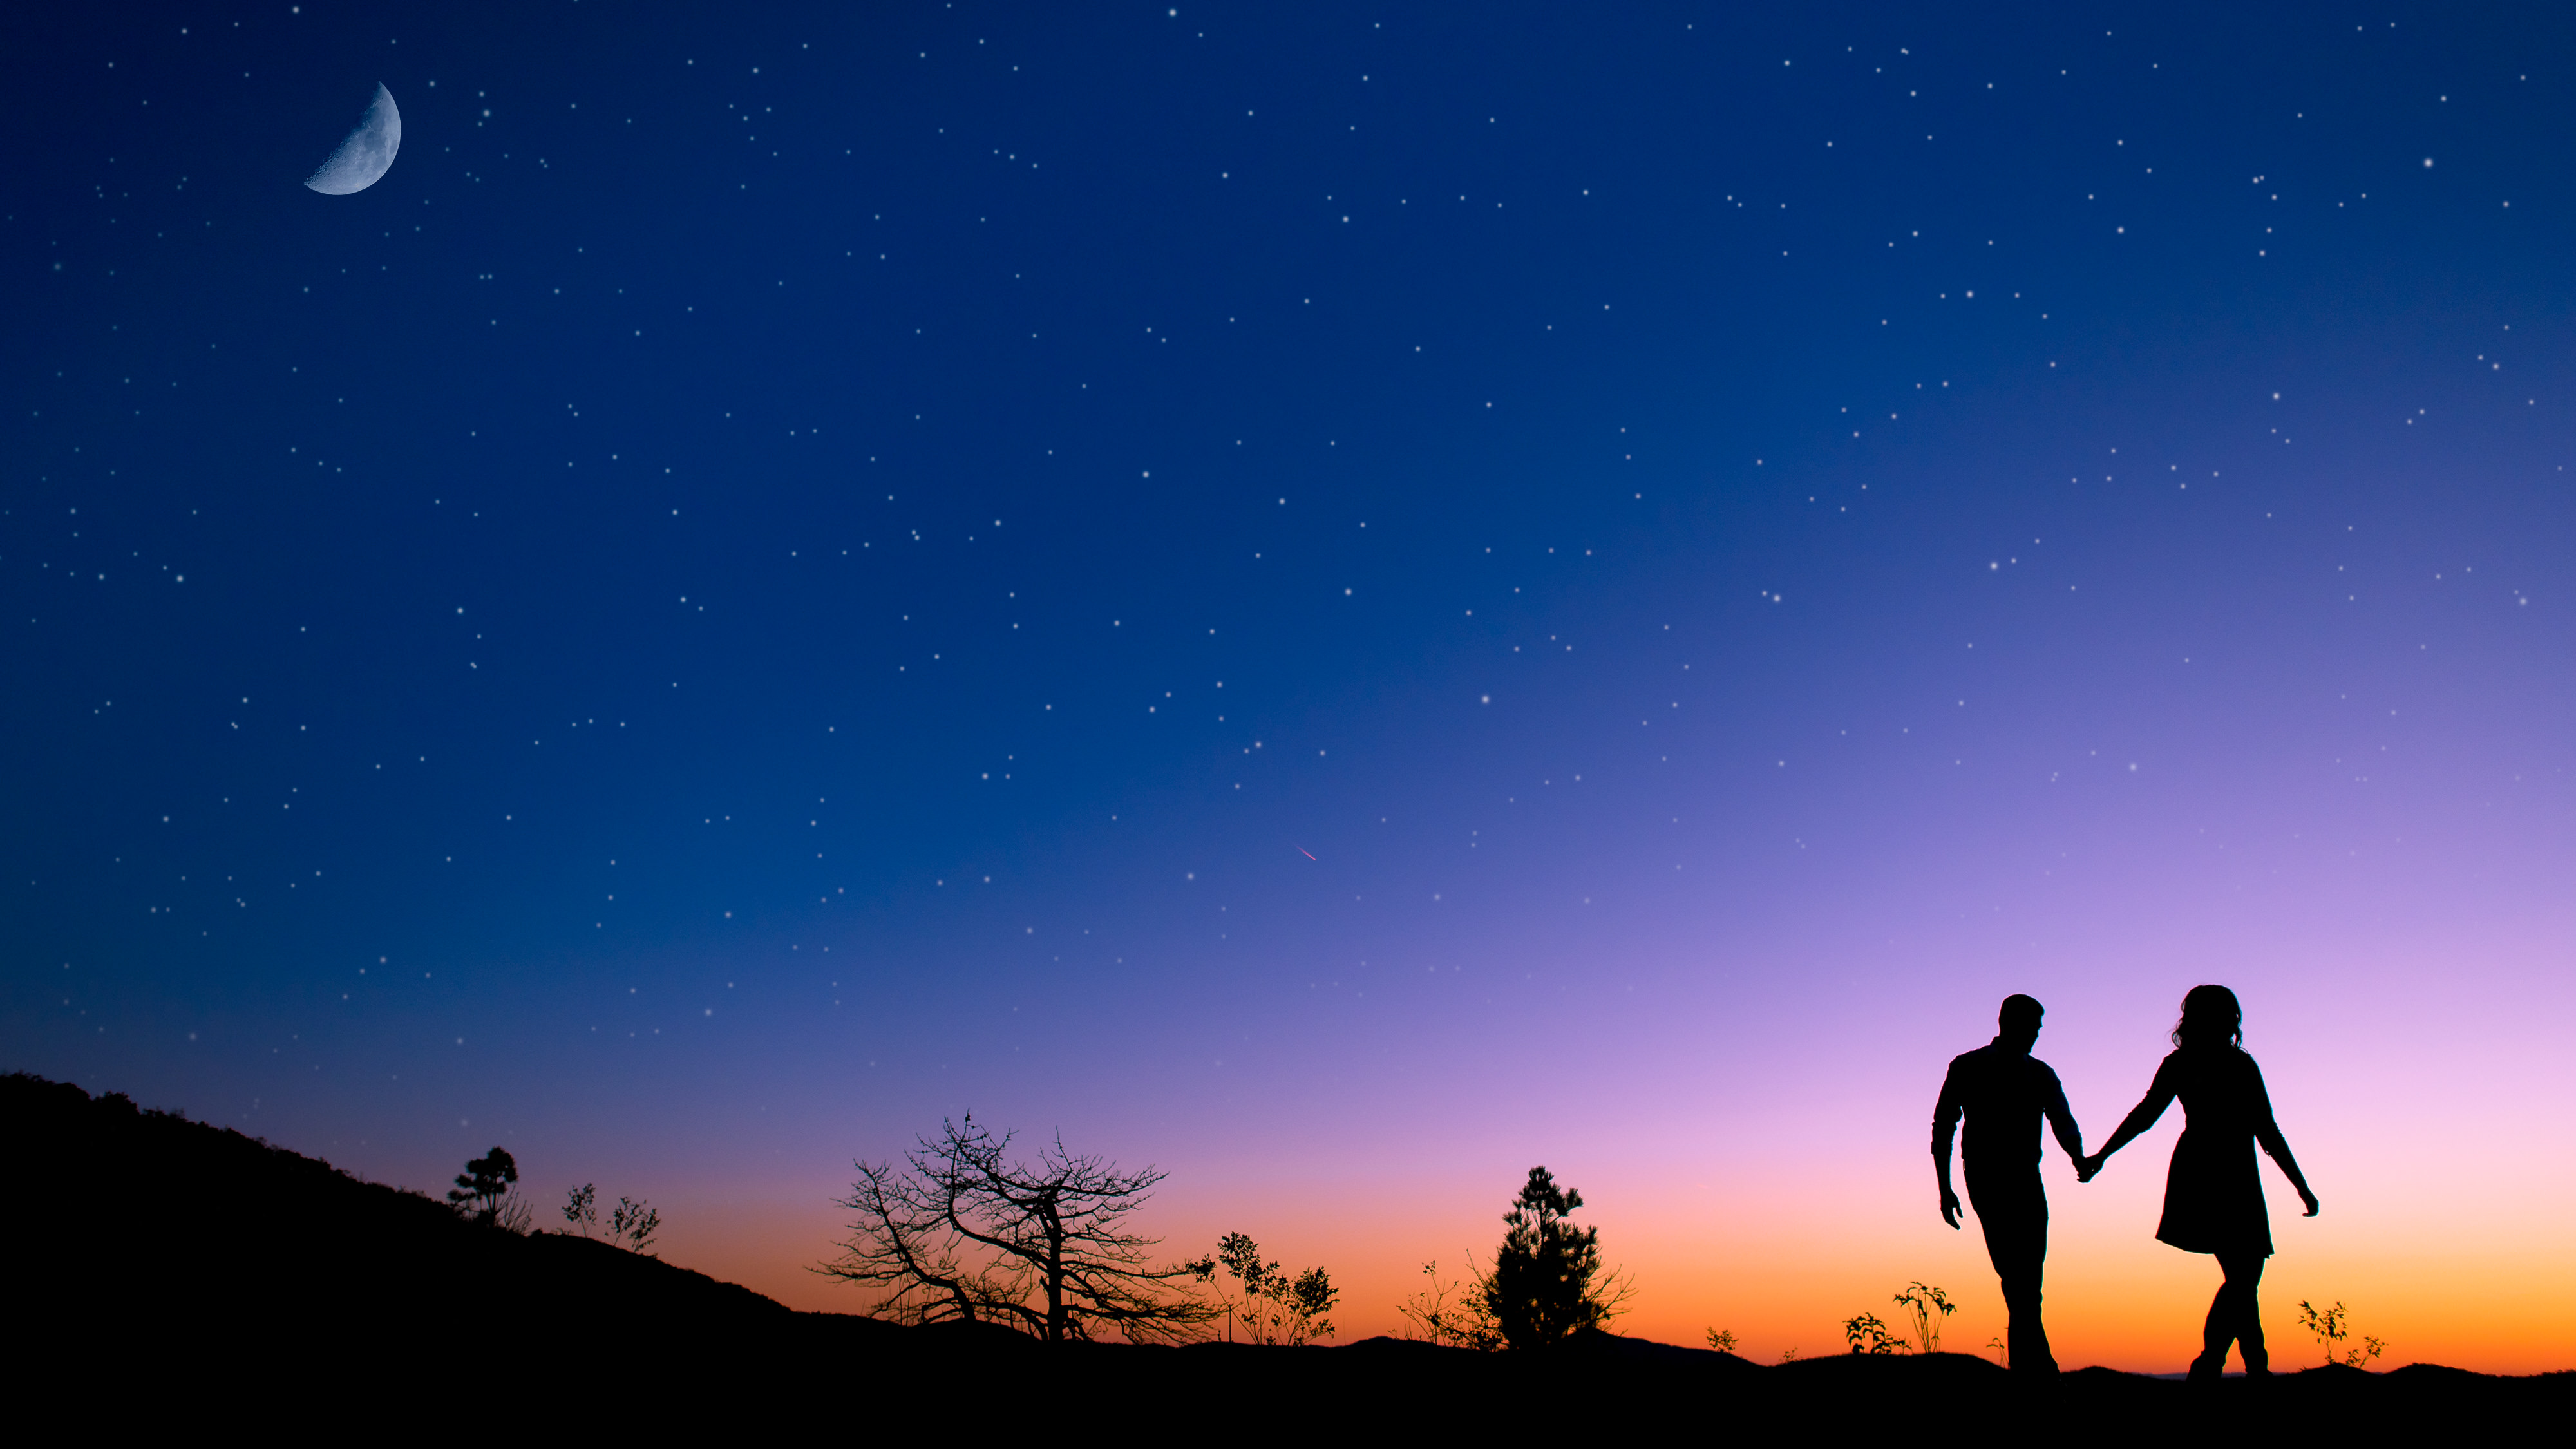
x: 1341, y: 599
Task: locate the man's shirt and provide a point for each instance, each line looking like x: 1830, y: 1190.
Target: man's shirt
x: 2003, y: 1093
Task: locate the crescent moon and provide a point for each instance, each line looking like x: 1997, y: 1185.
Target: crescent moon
x: 367, y: 154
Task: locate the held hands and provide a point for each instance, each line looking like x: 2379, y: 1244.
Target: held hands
x: 2087, y: 1167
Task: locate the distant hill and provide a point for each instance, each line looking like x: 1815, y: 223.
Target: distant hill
x: 171, y: 1270
x: 184, y: 1243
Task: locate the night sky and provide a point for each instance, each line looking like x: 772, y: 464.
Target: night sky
x: 1340, y: 599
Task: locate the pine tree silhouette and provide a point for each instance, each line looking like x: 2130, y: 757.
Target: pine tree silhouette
x: 1542, y: 1289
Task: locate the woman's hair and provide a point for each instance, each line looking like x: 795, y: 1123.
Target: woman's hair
x: 2210, y: 1017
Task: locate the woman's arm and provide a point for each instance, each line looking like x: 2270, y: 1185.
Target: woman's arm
x: 2160, y: 1095
x: 2268, y: 1133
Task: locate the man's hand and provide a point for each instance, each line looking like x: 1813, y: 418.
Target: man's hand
x: 1949, y: 1206
x: 2086, y: 1168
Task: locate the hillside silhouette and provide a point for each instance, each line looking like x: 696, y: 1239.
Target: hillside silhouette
x: 167, y: 1269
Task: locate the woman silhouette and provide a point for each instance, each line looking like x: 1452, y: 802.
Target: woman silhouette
x: 2214, y: 1193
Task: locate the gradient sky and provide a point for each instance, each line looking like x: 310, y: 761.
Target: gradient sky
x: 1340, y: 599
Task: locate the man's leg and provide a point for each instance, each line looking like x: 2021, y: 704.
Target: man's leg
x: 2015, y: 1222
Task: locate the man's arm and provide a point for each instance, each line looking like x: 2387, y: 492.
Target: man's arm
x: 2061, y: 1118
x: 1945, y: 1121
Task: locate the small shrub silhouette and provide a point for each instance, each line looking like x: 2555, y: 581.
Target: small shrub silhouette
x: 1451, y: 1312
x: 1274, y: 1308
x: 2332, y: 1326
x: 1722, y: 1339
x: 1868, y: 1334
x: 581, y: 1209
x: 631, y: 1224
x: 1926, y: 1306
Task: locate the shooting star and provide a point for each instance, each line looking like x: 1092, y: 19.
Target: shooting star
x: 1310, y: 855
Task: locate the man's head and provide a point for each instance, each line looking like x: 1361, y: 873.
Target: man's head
x: 2018, y: 1022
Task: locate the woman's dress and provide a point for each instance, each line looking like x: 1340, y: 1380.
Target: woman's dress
x: 2213, y: 1192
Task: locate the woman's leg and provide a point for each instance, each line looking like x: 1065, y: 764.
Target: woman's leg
x: 2244, y: 1279
x: 2216, y: 1331
x: 2234, y: 1317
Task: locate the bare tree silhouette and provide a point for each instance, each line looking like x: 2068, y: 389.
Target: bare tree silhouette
x: 959, y: 1231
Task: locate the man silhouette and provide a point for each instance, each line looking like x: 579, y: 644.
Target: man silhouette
x: 2003, y: 1091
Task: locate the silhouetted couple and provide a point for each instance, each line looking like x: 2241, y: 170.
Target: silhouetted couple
x: 2213, y: 1193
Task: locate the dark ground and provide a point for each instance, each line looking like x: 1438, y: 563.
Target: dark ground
x: 167, y: 1273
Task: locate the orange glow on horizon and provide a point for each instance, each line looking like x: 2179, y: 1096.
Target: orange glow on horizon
x: 1786, y: 1279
